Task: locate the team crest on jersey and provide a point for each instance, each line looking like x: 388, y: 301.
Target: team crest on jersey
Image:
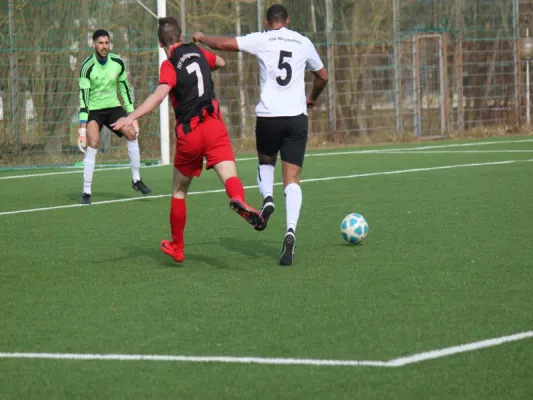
x: 113, y: 75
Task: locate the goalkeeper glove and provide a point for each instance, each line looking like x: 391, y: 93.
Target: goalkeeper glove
x: 82, y: 139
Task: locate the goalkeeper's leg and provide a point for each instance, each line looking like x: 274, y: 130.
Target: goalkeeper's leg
x: 135, y: 159
x: 93, y: 141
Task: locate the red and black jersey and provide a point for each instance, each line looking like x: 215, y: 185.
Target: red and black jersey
x: 188, y: 73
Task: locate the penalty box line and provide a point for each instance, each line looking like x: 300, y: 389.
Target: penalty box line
x: 394, y: 363
x: 329, y: 178
x: 400, y: 150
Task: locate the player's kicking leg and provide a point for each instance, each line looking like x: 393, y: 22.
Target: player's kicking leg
x: 89, y: 161
x: 227, y: 172
x: 219, y: 155
x: 178, y: 217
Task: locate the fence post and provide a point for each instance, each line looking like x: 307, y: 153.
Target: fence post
x: 330, y: 67
x: 397, y: 69
x: 240, y: 73
x: 445, y: 93
x: 417, y: 108
x: 516, y: 60
x: 182, y: 16
x: 459, y: 68
x: 13, y: 73
x: 528, y: 83
x: 164, y: 123
x: 259, y: 15
x: 313, y: 17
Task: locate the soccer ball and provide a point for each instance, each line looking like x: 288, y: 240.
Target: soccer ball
x: 354, y: 228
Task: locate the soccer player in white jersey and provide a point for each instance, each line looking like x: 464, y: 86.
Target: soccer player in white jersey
x: 283, y: 56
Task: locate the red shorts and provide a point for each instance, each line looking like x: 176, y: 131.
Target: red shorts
x: 208, y: 139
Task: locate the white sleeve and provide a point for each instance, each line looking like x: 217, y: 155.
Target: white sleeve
x: 314, y: 63
x: 251, y: 43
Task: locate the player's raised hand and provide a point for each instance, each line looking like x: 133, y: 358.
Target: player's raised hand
x: 122, y: 122
x: 197, y: 37
x: 82, y: 139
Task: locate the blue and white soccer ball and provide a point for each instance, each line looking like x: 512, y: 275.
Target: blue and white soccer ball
x: 354, y: 228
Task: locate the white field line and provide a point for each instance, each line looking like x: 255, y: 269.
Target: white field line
x: 396, y: 362
x: 328, y: 178
x: 194, y: 359
x: 457, y: 151
x: 464, y: 348
x: 471, y: 144
x: 78, y: 171
x: 325, y: 154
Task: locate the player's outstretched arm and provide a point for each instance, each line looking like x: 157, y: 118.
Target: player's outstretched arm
x: 319, y: 84
x: 216, y: 42
x: 150, y: 104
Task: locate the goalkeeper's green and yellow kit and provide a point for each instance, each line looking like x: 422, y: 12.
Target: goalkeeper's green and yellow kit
x: 98, y: 85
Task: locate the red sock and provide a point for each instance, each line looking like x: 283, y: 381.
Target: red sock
x: 178, y: 217
x: 234, y: 188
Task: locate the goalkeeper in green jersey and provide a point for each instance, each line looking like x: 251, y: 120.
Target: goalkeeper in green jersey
x: 99, y: 106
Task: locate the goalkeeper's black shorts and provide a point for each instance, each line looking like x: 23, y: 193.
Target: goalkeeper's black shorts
x: 107, y: 116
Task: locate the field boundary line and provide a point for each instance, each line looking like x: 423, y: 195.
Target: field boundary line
x: 309, y: 180
x: 77, y: 171
x: 322, y: 154
x: 394, y: 363
x: 460, y: 151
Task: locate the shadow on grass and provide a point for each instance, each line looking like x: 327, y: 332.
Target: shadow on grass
x: 98, y: 196
x: 194, y: 256
x: 253, y: 248
x: 197, y: 254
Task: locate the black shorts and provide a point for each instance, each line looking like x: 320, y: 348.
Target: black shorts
x: 107, y: 116
x: 288, y: 135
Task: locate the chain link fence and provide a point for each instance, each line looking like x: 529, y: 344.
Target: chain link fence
x: 398, y: 68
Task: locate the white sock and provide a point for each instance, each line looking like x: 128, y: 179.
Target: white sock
x: 293, y: 201
x: 135, y: 159
x: 88, y: 169
x: 265, y: 180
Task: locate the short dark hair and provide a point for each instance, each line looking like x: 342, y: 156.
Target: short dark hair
x: 99, y: 33
x: 169, y: 31
x: 277, y: 13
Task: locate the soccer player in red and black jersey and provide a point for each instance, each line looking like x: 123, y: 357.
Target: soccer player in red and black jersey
x: 200, y: 131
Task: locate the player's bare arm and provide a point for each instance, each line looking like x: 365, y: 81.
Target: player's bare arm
x: 216, y: 42
x: 219, y: 63
x: 150, y: 104
x: 319, y: 84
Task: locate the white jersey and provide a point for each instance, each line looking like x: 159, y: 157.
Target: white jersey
x: 283, y: 56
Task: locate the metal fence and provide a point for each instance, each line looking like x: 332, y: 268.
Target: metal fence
x: 398, y: 68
